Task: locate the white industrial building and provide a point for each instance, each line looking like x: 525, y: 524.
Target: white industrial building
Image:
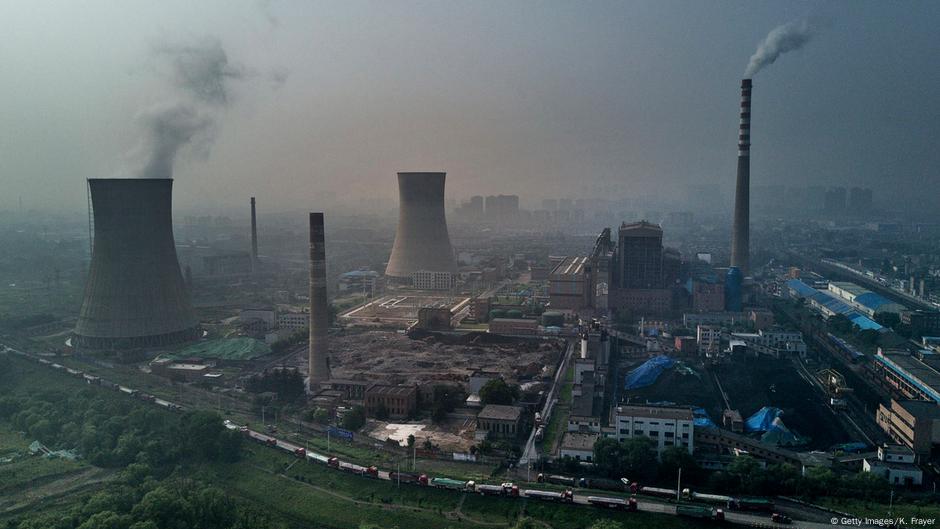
x: 666, y: 426
x: 896, y: 464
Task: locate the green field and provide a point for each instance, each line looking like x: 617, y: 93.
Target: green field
x: 313, y: 493
x: 926, y: 508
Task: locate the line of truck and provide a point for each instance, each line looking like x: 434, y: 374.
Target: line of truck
x: 503, y: 489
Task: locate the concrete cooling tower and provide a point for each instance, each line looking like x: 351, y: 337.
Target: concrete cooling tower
x: 421, y: 242
x: 134, y: 296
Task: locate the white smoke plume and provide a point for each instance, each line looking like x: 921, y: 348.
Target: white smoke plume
x: 170, y: 127
x: 202, y: 75
x: 782, y: 39
x: 202, y: 69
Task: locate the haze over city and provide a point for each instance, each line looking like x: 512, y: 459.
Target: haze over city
x: 279, y: 264
x: 536, y: 99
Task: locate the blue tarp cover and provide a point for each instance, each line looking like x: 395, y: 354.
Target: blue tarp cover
x: 761, y: 421
x: 647, y: 372
x: 778, y: 434
x: 701, y: 419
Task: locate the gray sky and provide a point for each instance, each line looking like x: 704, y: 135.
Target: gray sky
x: 533, y: 98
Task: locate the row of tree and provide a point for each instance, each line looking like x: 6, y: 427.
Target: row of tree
x: 137, y: 501
x: 115, y: 432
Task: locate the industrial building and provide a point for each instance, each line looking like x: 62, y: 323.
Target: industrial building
x: 421, y: 240
x: 895, y: 463
x: 135, y: 295
x: 569, y: 284
x: 829, y: 305
x: 500, y: 421
x: 578, y: 445
x: 864, y: 300
x: 666, y: 426
x: 399, y: 401
x: 912, y: 423
x: 431, y: 280
x: 913, y: 377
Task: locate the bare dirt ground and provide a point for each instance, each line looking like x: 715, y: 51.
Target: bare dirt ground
x: 393, y: 358
x: 454, y: 436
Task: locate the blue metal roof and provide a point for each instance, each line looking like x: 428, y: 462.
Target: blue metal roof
x: 834, y: 304
x: 872, y: 300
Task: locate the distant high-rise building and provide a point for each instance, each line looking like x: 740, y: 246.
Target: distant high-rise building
x: 835, y: 200
x: 860, y: 200
x: 640, y: 255
x: 502, y: 208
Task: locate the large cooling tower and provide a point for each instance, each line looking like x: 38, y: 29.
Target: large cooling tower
x: 740, y: 235
x: 421, y: 242
x: 135, y: 296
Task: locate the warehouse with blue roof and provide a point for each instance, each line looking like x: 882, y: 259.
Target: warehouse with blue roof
x: 864, y: 300
x: 830, y: 305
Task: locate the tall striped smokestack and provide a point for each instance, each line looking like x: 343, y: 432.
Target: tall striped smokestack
x: 319, y: 308
x: 740, y: 237
x: 254, y: 237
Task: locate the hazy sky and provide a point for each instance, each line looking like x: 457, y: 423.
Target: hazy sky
x: 526, y: 97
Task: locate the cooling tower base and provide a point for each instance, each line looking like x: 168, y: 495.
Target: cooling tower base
x: 135, y: 342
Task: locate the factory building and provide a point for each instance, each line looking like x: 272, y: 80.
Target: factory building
x: 569, y: 284
x: 895, y: 463
x: 912, y: 423
x: 829, y: 305
x: 913, y: 377
x: 666, y: 426
x: 864, y: 300
x: 500, y: 421
x: 430, y: 280
x: 399, y: 401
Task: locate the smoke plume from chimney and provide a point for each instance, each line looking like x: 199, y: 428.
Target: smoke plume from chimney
x: 782, y: 39
x: 202, y: 74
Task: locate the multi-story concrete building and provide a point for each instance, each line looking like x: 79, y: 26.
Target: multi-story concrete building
x: 912, y: 423
x: 666, y: 426
x: 293, y: 320
x: 640, y: 256
x: 569, y: 284
x: 430, y: 280
x: 708, y: 338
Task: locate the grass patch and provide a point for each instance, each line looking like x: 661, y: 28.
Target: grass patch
x: 905, y: 508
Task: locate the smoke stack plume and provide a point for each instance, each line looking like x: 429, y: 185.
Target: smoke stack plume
x: 319, y: 307
x: 780, y: 40
x: 740, y: 235
x: 254, y: 237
